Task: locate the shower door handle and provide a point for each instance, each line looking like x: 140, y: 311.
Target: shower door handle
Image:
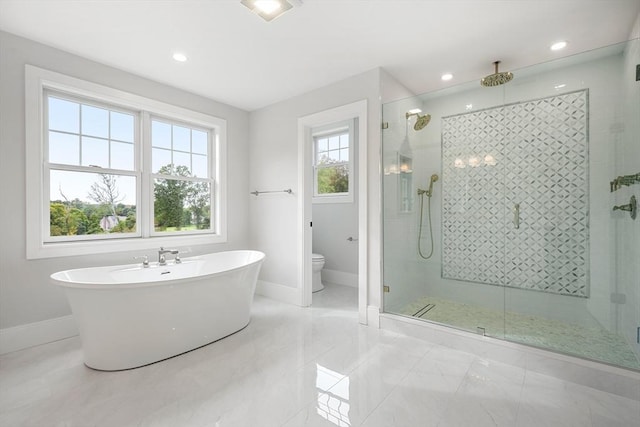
x: 516, y: 215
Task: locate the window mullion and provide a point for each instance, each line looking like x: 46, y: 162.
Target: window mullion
x: 145, y: 197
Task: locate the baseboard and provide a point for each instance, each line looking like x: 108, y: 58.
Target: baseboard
x: 278, y: 292
x: 32, y: 334
x: 373, y: 316
x: 340, y: 278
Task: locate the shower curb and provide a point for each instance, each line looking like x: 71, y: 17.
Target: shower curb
x: 600, y: 376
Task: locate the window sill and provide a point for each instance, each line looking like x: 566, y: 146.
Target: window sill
x: 333, y: 199
x: 65, y: 249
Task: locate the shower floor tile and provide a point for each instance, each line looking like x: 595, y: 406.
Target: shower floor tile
x: 589, y: 342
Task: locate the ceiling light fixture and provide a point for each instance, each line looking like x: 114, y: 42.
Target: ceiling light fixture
x: 559, y: 45
x: 180, y: 57
x: 267, y: 9
x: 446, y: 77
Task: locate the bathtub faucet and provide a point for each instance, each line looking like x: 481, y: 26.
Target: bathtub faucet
x: 161, y: 258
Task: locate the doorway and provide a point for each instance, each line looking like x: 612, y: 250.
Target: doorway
x: 322, y: 124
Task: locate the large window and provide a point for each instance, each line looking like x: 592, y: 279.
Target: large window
x: 116, y: 171
x: 333, y: 148
x: 90, y: 167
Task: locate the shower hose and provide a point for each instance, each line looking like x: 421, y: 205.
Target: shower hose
x: 420, y: 228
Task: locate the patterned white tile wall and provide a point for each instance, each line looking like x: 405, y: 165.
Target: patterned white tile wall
x: 534, y: 154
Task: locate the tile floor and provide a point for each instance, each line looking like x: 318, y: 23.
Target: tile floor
x: 591, y: 342
x: 299, y: 367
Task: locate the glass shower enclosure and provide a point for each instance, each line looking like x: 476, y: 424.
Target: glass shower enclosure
x: 510, y: 213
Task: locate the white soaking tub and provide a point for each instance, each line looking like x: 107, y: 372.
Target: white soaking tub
x: 129, y: 316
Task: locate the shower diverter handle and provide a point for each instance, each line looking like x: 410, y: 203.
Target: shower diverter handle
x: 516, y: 215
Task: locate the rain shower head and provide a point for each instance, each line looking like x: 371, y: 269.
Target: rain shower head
x: 497, y: 78
x: 421, y: 122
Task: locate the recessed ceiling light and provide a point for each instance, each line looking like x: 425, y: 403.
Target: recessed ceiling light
x: 415, y: 111
x: 446, y: 77
x: 267, y: 9
x: 180, y: 57
x: 559, y: 45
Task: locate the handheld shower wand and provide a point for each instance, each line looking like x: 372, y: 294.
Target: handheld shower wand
x: 429, y: 193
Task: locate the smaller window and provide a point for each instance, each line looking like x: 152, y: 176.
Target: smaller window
x: 333, y: 165
x: 181, y: 178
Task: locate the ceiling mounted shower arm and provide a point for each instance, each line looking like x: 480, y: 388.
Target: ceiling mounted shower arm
x: 497, y: 78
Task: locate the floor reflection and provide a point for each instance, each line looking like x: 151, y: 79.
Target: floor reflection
x: 333, y: 396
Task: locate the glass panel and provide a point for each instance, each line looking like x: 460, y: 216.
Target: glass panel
x: 183, y: 162
x: 95, y: 121
x: 323, y: 144
x: 344, y: 155
x: 161, y: 160
x: 91, y: 203
x: 334, y: 156
x: 507, y: 235
x: 64, y: 115
x: 181, y: 205
x: 160, y: 134
x: 95, y: 152
x: 415, y: 208
x: 181, y: 138
x: 334, y: 143
x: 199, y: 142
x: 333, y: 179
x: 344, y: 140
x: 64, y: 148
x: 199, y: 166
x: 122, y: 156
x: 122, y: 126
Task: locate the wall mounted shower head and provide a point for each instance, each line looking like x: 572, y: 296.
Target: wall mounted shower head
x: 421, y: 122
x: 497, y: 78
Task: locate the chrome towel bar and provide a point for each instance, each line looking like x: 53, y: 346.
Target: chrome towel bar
x: 257, y: 193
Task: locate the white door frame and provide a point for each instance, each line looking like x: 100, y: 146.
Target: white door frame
x: 356, y: 110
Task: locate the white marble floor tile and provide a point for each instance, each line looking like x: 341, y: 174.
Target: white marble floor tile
x: 297, y: 367
x: 488, y: 395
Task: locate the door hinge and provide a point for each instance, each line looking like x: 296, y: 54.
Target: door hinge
x: 385, y: 125
x: 385, y: 288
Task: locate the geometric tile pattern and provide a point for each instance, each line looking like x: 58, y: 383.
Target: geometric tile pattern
x: 533, y: 154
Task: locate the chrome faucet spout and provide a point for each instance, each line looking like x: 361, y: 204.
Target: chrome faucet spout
x: 162, y: 260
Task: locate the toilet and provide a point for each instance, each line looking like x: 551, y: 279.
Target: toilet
x: 317, y: 262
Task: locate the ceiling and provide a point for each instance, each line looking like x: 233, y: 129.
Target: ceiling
x: 237, y: 58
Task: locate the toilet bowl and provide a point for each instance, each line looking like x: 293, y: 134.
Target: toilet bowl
x: 317, y: 262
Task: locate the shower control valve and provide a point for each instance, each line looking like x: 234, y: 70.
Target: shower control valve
x: 631, y: 207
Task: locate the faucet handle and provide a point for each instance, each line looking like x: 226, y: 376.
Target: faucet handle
x: 177, y: 259
x: 145, y: 260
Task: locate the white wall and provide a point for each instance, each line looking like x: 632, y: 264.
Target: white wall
x: 26, y: 296
x: 333, y: 223
x: 273, y: 164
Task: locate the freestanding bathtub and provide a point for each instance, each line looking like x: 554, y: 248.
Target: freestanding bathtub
x: 129, y: 316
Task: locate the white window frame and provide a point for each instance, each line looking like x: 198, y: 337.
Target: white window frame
x: 37, y: 80
x: 211, y: 167
x: 334, y: 128
x: 47, y: 167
